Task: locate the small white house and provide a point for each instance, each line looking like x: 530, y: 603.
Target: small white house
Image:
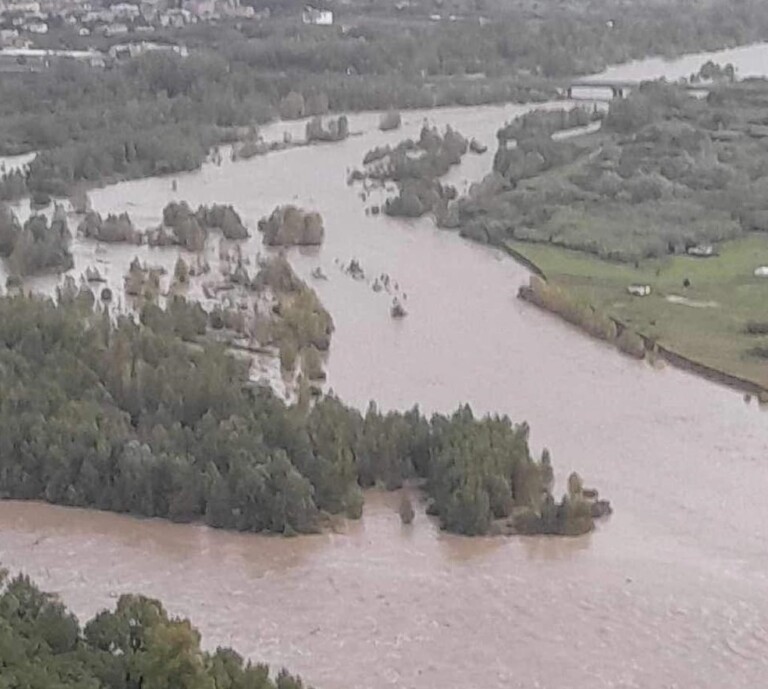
x: 310, y: 15
x: 124, y: 10
x: 36, y: 27
x: 115, y: 30
x: 639, y: 290
x: 702, y: 251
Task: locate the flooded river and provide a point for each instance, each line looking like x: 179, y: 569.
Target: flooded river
x: 672, y: 592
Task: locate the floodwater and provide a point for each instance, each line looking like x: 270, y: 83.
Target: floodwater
x: 671, y: 592
x: 17, y: 162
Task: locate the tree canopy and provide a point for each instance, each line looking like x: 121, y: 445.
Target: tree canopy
x: 128, y: 416
x: 136, y: 646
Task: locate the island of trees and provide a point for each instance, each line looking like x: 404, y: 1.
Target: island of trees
x: 416, y: 166
x: 291, y: 226
x: 137, y: 417
x: 136, y: 645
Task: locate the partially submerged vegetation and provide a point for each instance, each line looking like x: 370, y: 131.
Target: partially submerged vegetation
x: 113, y: 228
x: 416, y: 166
x: 135, y: 645
x: 299, y: 326
x: 390, y: 120
x: 37, y: 246
x: 125, y: 416
x: 337, y: 129
x: 292, y: 226
x: 181, y: 226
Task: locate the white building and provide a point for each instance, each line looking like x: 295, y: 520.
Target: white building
x: 639, y: 290
x: 36, y: 27
x: 115, y: 30
x: 27, y: 7
x: 310, y: 15
x: 125, y: 10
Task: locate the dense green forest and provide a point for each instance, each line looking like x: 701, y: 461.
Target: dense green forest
x: 668, y: 172
x: 136, y: 646
x: 129, y: 417
x: 161, y: 113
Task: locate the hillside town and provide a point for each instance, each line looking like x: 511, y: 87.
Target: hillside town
x: 29, y: 28
x: 34, y: 34
x: 22, y: 19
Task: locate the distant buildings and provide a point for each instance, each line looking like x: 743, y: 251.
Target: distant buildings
x: 131, y: 21
x: 84, y: 18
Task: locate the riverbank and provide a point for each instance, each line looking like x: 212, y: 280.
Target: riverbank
x: 652, y: 232
x: 701, y: 328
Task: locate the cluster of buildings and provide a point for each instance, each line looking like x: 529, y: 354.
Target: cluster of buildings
x: 23, y: 20
x: 25, y: 23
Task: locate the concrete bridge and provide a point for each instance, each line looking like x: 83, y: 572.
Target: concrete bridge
x: 615, y: 87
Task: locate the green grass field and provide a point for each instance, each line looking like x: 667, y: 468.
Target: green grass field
x: 723, y: 296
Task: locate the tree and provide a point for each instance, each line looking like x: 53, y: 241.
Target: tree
x: 292, y: 106
x: 172, y: 659
x: 406, y: 509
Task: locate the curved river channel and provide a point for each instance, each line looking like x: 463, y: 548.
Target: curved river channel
x: 670, y: 592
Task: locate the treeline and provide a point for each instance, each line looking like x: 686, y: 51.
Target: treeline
x: 136, y: 645
x: 161, y: 113
x: 547, y: 122
x: 37, y: 245
x: 127, y: 417
x: 582, y: 315
x: 553, y: 40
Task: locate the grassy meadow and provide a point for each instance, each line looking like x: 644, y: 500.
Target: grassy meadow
x: 705, y: 321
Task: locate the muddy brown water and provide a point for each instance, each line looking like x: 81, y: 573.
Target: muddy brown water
x: 670, y: 592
